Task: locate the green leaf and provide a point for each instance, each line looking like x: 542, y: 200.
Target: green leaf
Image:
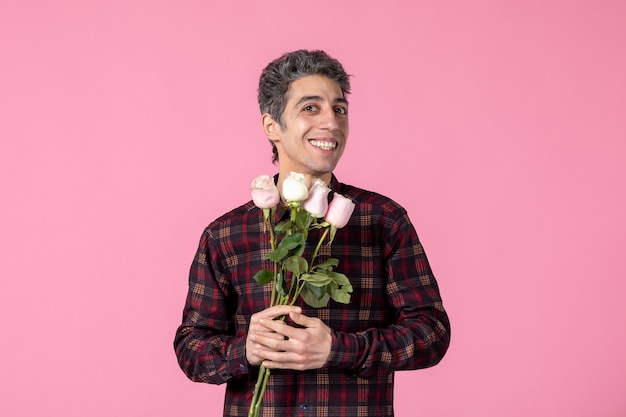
x: 318, y: 279
x: 296, y: 264
x: 310, y: 297
x: 293, y: 244
x: 317, y: 291
x: 296, y: 243
x: 289, y: 245
x: 333, y: 231
x: 281, y: 285
x: 303, y: 220
x: 282, y: 227
x: 341, y: 280
x: 340, y: 295
x: 264, y: 276
x: 278, y: 254
x: 292, y: 241
x: 327, y: 264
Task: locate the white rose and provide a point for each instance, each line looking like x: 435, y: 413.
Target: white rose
x: 294, y: 188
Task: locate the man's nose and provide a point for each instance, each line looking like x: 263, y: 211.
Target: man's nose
x: 328, y: 120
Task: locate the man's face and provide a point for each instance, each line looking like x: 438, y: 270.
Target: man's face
x: 315, y: 127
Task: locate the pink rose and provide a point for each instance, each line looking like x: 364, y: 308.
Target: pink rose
x: 264, y: 192
x: 317, y: 202
x: 339, y: 211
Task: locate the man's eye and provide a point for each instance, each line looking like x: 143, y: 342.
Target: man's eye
x: 310, y: 107
x: 341, y: 110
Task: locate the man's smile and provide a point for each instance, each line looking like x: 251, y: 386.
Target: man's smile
x: 323, y: 144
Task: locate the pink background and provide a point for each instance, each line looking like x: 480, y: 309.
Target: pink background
x: 127, y: 125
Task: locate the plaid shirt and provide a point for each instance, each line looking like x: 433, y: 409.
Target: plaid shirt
x: 395, y: 320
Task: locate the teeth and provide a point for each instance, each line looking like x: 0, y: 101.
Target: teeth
x: 323, y: 144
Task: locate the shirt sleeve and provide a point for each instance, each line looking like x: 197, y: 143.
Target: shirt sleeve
x: 205, y: 343
x: 420, y: 334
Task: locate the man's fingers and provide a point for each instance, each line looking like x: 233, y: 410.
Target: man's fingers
x: 260, y: 335
x: 286, y: 347
x: 268, y: 335
x: 279, y: 327
x: 302, y: 320
x: 277, y: 311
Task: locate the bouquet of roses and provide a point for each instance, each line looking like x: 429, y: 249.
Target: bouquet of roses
x: 293, y: 275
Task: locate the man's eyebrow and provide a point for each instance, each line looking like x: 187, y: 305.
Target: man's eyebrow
x: 318, y: 98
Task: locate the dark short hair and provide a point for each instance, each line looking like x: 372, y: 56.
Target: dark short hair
x: 291, y: 66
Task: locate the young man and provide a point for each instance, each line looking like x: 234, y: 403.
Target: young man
x: 334, y: 361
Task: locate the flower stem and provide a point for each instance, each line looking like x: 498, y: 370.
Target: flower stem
x: 259, y: 390
x: 259, y: 387
x: 317, y: 248
x: 273, y: 246
x: 298, y: 291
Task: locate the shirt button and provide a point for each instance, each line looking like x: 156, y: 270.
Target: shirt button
x: 303, y: 407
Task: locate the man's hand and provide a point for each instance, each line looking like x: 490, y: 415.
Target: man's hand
x: 277, y: 345
x: 257, y: 331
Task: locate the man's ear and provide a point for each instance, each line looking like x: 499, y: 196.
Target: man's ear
x: 271, y: 127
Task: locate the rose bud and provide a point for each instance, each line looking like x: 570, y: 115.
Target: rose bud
x: 317, y: 202
x: 339, y: 211
x: 264, y: 192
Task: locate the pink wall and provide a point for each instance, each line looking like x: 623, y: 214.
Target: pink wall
x: 127, y: 125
